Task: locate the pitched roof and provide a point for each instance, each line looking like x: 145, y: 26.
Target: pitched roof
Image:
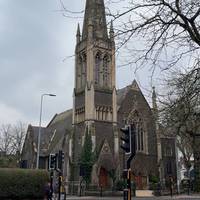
x: 44, y: 138
x: 54, y: 133
x: 65, y: 117
x: 121, y: 93
x: 60, y: 126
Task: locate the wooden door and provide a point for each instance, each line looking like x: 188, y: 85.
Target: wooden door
x: 138, y: 180
x: 103, y: 178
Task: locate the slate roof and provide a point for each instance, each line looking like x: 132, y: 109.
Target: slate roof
x: 44, y: 140
x: 121, y: 93
x: 54, y: 133
x: 60, y: 126
x: 44, y: 135
x: 65, y: 116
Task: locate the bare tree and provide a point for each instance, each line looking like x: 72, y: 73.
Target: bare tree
x: 12, y: 138
x: 6, y: 138
x: 184, y: 144
x: 155, y: 33
x: 161, y: 32
x: 19, y: 133
x: 181, y: 112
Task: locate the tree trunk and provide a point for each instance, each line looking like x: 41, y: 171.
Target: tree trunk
x: 197, y: 163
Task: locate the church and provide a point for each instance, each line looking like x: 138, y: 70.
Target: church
x: 101, y: 110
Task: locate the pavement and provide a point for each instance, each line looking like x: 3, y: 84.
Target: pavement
x: 179, y: 197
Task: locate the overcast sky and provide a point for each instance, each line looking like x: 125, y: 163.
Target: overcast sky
x: 36, y: 42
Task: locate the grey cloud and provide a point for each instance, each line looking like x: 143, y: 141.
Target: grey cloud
x: 32, y: 47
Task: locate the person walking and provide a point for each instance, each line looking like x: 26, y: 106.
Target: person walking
x: 47, y: 192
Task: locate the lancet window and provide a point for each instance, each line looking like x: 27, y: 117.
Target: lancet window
x: 106, y: 73
x: 79, y: 72
x: 97, y: 67
x: 83, y: 70
x: 139, y: 126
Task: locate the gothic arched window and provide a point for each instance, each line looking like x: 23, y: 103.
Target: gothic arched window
x: 139, y: 128
x: 83, y: 70
x: 97, y: 67
x: 106, y: 73
x: 79, y: 72
x: 139, y: 135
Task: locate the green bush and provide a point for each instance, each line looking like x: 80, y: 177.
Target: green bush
x: 120, y: 185
x: 8, y: 162
x: 153, y: 179
x: 22, y: 183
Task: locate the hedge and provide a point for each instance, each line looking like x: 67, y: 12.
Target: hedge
x: 22, y: 183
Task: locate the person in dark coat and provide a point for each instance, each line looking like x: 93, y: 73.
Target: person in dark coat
x: 47, y: 192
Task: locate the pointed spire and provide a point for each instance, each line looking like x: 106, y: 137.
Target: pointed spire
x: 78, y: 34
x: 135, y: 86
x: 154, y: 99
x: 95, y: 13
x: 111, y: 31
x: 154, y: 103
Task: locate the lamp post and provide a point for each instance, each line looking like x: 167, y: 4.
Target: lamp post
x: 39, y: 133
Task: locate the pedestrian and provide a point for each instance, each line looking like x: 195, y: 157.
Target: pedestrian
x: 47, y: 192
x: 171, y: 185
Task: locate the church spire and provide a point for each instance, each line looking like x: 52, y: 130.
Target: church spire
x: 95, y: 15
x: 78, y: 34
x: 154, y: 103
x: 154, y: 98
x: 111, y: 31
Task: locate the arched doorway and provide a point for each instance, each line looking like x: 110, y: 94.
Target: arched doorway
x: 103, y: 177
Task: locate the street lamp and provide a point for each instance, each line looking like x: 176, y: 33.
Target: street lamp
x: 39, y: 133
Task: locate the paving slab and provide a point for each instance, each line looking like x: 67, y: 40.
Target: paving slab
x: 179, y: 197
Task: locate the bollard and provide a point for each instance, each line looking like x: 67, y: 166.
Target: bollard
x: 125, y: 194
x: 101, y: 190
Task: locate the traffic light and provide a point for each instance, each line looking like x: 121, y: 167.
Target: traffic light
x: 126, y: 139
x: 52, y: 161
x: 61, y: 157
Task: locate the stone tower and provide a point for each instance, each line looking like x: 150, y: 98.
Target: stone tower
x: 94, y: 108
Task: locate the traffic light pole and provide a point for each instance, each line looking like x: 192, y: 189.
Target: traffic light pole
x: 59, y: 186
x: 129, y: 176
x: 59, y: 168
x: 51, y: 182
